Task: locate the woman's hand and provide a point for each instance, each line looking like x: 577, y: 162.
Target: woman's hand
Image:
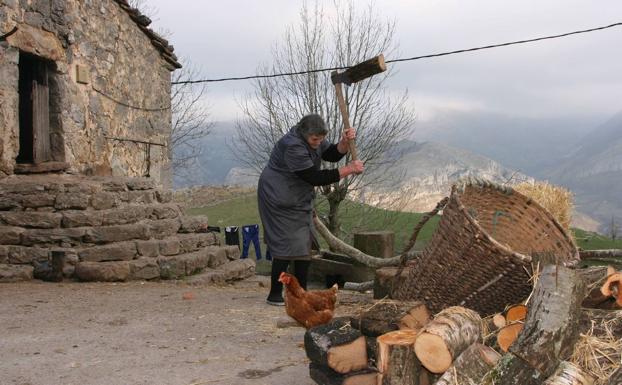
x: 354, y: 167
x: 349, y: 134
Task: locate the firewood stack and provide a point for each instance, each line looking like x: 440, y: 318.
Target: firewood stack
x: 552, y: 339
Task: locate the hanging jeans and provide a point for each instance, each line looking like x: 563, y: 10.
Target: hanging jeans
x: 250, y: 233
x: 232, y: 237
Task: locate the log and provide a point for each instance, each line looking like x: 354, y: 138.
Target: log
x: 569, y: 374
x: 389, y: 315
x: 359, y: 286
x: 595, y: 279
x: 397, y: 363
x: 443, y: 339
x: 549, y: 333
x: 516, y: 313
x: 591, y: 254
x: 613, y: 287
x: 470, y: 366
x: 326, y: 376
x: 499, y: 321
x: 508, y: 334
x: 336, y: 345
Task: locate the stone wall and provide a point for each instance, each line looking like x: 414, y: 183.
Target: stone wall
x: 124, y: 71
x: 108, y: 228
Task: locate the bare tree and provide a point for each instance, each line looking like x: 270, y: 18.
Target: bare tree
x: 614, y: 229
x: 190, y: 121
x: 342, y: 37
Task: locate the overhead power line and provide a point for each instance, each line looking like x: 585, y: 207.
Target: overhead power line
x: 401, y: 60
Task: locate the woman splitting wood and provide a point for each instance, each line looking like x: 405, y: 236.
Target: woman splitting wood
x: 286, y: 190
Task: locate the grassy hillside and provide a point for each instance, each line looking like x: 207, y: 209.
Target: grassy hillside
x: 356, y: 217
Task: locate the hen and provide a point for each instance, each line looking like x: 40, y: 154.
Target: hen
x: 309, y: 308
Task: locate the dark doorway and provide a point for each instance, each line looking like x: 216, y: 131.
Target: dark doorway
x: 34, y: 109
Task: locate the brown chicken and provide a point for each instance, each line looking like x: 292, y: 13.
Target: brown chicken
x: 309, y: 308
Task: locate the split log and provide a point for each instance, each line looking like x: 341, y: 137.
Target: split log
x: 499, y: 321
x: 397, y: 363
x: 550, y: 331
x: 616, y: 378
x: 508, y: 334
x: 613, y: 287
x: 359, y: 286
x: 569, y: 374
x: 470, y: 366
x: 388, y: 315
x: 595, y: 278
x: 443, y: 339
x: 326, y: 376
x: 516, y: 313
x: 337, y: 345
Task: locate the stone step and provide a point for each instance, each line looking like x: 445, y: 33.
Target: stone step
x: 144, y: 268
x: 15, y: 273
x: 230, y: 271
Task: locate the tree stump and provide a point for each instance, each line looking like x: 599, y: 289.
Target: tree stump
x: 550, y: 331
x: 446, y: 336
x: 397, y: 363
x: 337, y: 345
x: 470, y: 366
x: 569, y: 374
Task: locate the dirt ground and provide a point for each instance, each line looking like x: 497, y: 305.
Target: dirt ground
x: 146, y: 333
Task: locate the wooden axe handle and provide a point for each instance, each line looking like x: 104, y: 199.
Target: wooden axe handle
x: 345, y: 117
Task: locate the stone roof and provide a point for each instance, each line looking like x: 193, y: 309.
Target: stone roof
x: 143, y: 22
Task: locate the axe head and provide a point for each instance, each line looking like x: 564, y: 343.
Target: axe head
x: 361, y: 71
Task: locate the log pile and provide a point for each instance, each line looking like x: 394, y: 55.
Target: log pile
x: 552, y: 339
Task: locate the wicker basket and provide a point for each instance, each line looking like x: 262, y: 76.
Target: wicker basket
x: 480, y: 255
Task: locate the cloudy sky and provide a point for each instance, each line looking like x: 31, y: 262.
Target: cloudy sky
x: 575, y: 77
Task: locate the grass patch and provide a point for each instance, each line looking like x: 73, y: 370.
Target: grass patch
x: 588, y: 240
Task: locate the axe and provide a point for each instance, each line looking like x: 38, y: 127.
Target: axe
x: 354, y: 74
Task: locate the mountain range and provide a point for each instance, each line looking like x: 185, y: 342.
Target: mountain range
x: 562, y: 151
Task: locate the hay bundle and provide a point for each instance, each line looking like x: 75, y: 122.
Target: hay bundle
x: 555, y: 199
x: 599, y: 350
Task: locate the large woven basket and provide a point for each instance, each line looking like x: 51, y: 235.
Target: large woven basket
x: 480, y: 255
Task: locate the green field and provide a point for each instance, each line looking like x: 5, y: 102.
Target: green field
x: 356, y: 217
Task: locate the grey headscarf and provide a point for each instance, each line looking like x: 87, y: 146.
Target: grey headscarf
x: 311, y: 124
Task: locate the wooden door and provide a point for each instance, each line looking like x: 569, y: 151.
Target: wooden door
x: 41, y: 115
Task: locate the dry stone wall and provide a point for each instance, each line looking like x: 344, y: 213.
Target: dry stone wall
x: 109, y: 229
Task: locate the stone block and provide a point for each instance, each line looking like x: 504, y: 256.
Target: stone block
x: 10, y: 235
x: 149, y: 248
x: 53, y: 237
x: 103, y: 271
x: 66, y: 201
x: 23, y: 188
x: 171, y: 267
x: 233, y: 252
x: 104, y: 200
x: 38, y: 200
x: 4, y: 254
x: 15, y: 273
x: 195, y: 262
x: 21, y: 255
x: 141, y: 184
x: 140, y: 197
x: 144, y: 269
x: 163, y: 228
x: 82, y: 218
x: 208, y: 239
x: 164, y: 196
x: 189, y: 242
x: 125, y: 215
x: 118, y: 233
x: 114, y: 185
x: 238, y: 269
x: 217, y: 256
x: 193, y: 224
x: 31, y: 219
x: 122, y: 251
x: 11, y: 202
x: 166, y: 211
x: 169, y: 246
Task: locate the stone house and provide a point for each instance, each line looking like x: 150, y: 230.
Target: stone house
x: 84, y: 87
x: 85, y: 122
